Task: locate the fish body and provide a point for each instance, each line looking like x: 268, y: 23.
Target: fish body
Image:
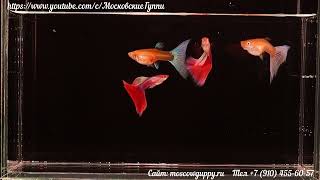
x: 200, y: 68
x: 257, y: 47
x: 150, y: 57
x: 136, y: 90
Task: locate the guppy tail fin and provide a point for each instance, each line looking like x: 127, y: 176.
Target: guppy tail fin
x: 138, y: 97
x: 278, y: 59
x: 199, y: 68
x: 179, y: 57
x: 136, y: 90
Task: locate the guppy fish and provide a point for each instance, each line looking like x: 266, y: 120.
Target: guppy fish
x: 152, y: 56
x: 200, y: 68
x: 257, y: 47
x: 136, y: 90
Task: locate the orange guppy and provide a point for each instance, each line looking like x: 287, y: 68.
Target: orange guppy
x: 150, y: 57
x: 257, y: 47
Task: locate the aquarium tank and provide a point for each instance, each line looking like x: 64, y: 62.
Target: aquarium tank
x: 162, y: 89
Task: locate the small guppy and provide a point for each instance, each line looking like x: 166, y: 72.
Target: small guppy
x: 200, y: 68
x: 257, y: 47
x: 151, y: 57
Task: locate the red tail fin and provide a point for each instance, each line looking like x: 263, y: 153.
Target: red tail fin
x: 199, y: 71
x: 136, y: 90
x: 138, y: 97
x: 200, y: 68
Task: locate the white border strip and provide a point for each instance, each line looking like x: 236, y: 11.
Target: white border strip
x: 164, y: 14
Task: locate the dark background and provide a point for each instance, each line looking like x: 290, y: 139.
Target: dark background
x: 76, y: 109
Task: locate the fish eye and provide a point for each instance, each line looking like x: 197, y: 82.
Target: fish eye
x: 248, y: 43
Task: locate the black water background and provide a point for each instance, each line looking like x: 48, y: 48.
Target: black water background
x: 76, y: 109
